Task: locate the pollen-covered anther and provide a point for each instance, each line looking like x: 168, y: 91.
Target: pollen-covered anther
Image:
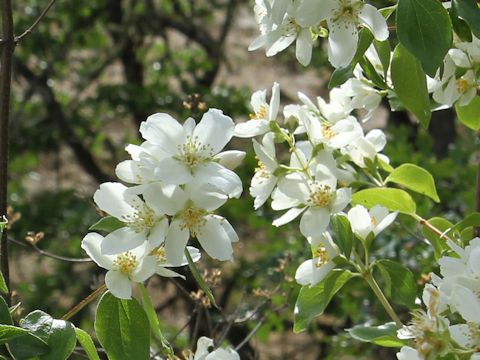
x: 262, y: 171
x: 373, y: 220
x: 321, y: 196
x: 193, y: 152
x: 143, y: 219
x: 321, y: 254
x: 462, y: 85
x: 347, y: 11
x: 327, y: 132
x: 261, y: 114
x: 126, y: 262
x: 159, y: 254
x: 193, y: 220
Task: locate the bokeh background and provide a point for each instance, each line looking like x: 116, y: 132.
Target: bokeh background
x: 93, y: 71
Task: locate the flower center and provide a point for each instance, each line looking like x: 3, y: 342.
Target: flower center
x: 320, y: 195
x: 261, y: 114
x: 193, y: 152
x: 373, y: 221
x: 262, y: 171
x: 159, y: 254
x: 462, y: 85
x: 126, y: 263
x: 347, y: 11
x: 321, y: 253
x: 142, y: 220
x: 193, y: 220
x: 327, y: 132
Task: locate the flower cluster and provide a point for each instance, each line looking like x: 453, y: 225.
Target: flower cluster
x: 451, y: 324
x: 179, y: 178
x: 283, y: 22
x: 328, y: 152
x: 459, y: 80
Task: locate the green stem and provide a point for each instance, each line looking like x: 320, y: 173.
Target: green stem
x: 153, y: 320
x: 383, y: 300
x: 97, y: 292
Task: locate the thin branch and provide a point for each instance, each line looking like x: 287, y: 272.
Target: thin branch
x: 49, y: 254
x: 97, y: 292
x: 32, y: 27
x: 5, y: 90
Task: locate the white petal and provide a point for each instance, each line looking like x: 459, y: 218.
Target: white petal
x: 261, y: 188
x: 129, y: 171
x: 172, y: 171
x: 372, y: 19
x: 386, y: 221
x: 311, y: 12
x: 466, y: 303
x: 278, y: 40
x: 215, y: 130
x: 314, y: 221
x: 118, y: 284
x: 168, y: 273
x: 175, y: 242
x: 258, y: 100
x: 163, y: 130
x: 122, y: 240
x: 377, y: 138
x: 360, y: 221
x: 214, y: 238
x: 304, y: 273
x: 251, y: 128
x: 274, y: 102
x: 304, y: 45
x: 230, y: 159
x: 158, y: 233
x: 223, y: 179
x: 342, y: 43
x: 202, y: 348
x: 165, y: 199
x: 110, y: 197
x: 342, y: 199
x: 91, y: 244
x: 145, y: 269
x: 281, y: 201
x: 288, y: 216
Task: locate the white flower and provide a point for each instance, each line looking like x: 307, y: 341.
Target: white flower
x: 408, y: 353
x: 363, y: 96
x: 264, y: 112
x: 142, y: 220
x: 192, y: 149
x: 163, y: 265
x: 366, y: 222
x: 451, y: 89
x: 343, y: 19
x: 312, y: 271
x: 191, y: 211
x: 316, y: 198
x: 203, y: 351
x: 367, y: 147
x: 263, y: 182
x: 134, y: 265
x: 279, y: 28
x: 466, y: 335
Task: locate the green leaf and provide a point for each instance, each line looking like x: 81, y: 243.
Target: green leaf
x: 469, y: 115
x: 87, y: 343
x: 58, y: 334
x: 415, y: 178
x: 9, y: 332
x: 384, y: 53
x: 471, y: 220
x: 5, y: 317
x: 122, y: 328
x: 107, y: 224
x: 372, y: 73
x: 199, y: 278
x: 3, y: 284
x: 340, y: 76
x: 392, y: 199
x: 383, y: 335
x: 439, y: 245
x: 312, y: 301
x: 460, y: 27
x: 425, y: 29
x: 404, y: 287
x: 470, y: 12
x: 27, y: 347
x: 410, y: 84
x: 343, y: 233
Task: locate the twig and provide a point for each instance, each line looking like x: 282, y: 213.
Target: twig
x: 49, y: 254
x: 8, y: 47
x: 251, y: 333
x: 99, y: 291
x: 32, y: 27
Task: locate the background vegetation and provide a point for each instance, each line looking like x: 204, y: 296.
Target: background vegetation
x: 83, y: 82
